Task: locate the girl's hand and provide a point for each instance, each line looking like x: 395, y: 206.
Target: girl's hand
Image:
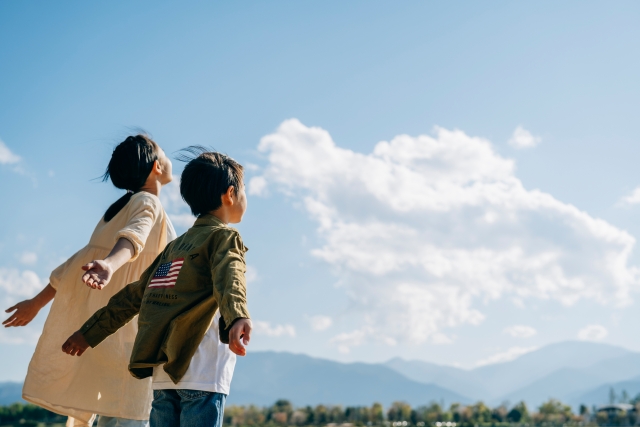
x: 75, y: 345
x: 25, y: 311
x: 98, y: 273
x: 239, y: 334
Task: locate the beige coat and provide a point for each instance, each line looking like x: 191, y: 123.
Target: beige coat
x: 98, y: 382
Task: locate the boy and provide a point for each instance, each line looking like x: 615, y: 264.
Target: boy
x: 177, y: 298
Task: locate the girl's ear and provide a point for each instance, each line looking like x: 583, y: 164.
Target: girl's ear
x: 157, y: 167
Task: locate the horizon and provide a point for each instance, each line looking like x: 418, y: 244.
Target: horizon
x: 384, y: 363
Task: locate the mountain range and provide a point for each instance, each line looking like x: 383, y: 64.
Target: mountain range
x: 267, y: 376
x: 573, y: 372
x: 567, y: 371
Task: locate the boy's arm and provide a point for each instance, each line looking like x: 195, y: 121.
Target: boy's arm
x: 229, y: 285
x: 104, y: 322
x: 122, y: 307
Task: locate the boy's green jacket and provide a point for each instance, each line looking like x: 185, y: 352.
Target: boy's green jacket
x: 177, y: 297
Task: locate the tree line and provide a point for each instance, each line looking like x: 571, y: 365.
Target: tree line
x: 401, y: 414
x: 26, y: 415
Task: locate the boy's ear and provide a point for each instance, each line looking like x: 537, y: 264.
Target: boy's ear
x: 227, y: 197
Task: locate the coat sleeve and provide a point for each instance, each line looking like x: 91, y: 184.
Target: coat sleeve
x: 122, y: 307
x: 145, y: 211
x: 227, y: 272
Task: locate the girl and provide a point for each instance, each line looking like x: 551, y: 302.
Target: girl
x: 133, y: 231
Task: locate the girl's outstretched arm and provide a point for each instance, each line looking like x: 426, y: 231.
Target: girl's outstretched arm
x: 99, y: 272
x: 25, y: 311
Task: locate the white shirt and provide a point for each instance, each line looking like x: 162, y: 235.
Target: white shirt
x: 211, y: 367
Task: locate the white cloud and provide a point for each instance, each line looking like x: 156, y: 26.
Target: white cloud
x: 29, y: 258
x: 320, y: 323
x: 441, y: 339
x: 505, y: 356
x: 265, y: 328
x: 631, y: 199
x: 257, y: 186
x: 520, y: 331
x: 6, y: 156
x: 423, y: 231
x: 184, y: 220
x: 19, y: 284
x: 251, y: 274
x: 170, y: 195
x: 346, y: 340
x: 522, y: 138
x: 19, y: 335
x: 593, y: 333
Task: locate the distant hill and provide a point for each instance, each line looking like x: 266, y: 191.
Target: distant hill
x: 600, y: 394
x: 10, y: 392
x: 503, y: 378
x: 569, y: 385
x: 494, y: 383
x: 461, y: 381
x: 617, y: 369
x: 574, y: 372
x: 558, y: 385
x: 267, y: 376
x: 264, y: 377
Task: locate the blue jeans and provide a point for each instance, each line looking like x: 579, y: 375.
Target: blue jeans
x: 187, y: 408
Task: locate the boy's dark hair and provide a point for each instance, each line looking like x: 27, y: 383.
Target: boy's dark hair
x: 206, y: 177
x: 130, y: 165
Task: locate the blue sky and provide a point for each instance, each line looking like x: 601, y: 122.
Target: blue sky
x: 339, y: 268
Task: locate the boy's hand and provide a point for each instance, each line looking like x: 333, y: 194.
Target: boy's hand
x: 98, y: 273
x: 75, y: 345
x: 241, y: 330
x: 25, y: 311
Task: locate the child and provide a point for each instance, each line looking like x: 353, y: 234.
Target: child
x: 130, y: 235
x: 177, y: 297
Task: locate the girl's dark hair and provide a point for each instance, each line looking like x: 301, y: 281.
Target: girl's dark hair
x: 130, y: 165
x: 206, y: 177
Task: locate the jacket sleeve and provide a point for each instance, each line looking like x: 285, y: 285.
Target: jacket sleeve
x: 145, y: 210
x: 122, y: 307
x: 227, y: 272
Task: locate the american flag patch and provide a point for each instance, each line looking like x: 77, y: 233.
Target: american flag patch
x: 167, y: 274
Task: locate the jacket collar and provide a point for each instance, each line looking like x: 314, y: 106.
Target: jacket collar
x: 209, y: 220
